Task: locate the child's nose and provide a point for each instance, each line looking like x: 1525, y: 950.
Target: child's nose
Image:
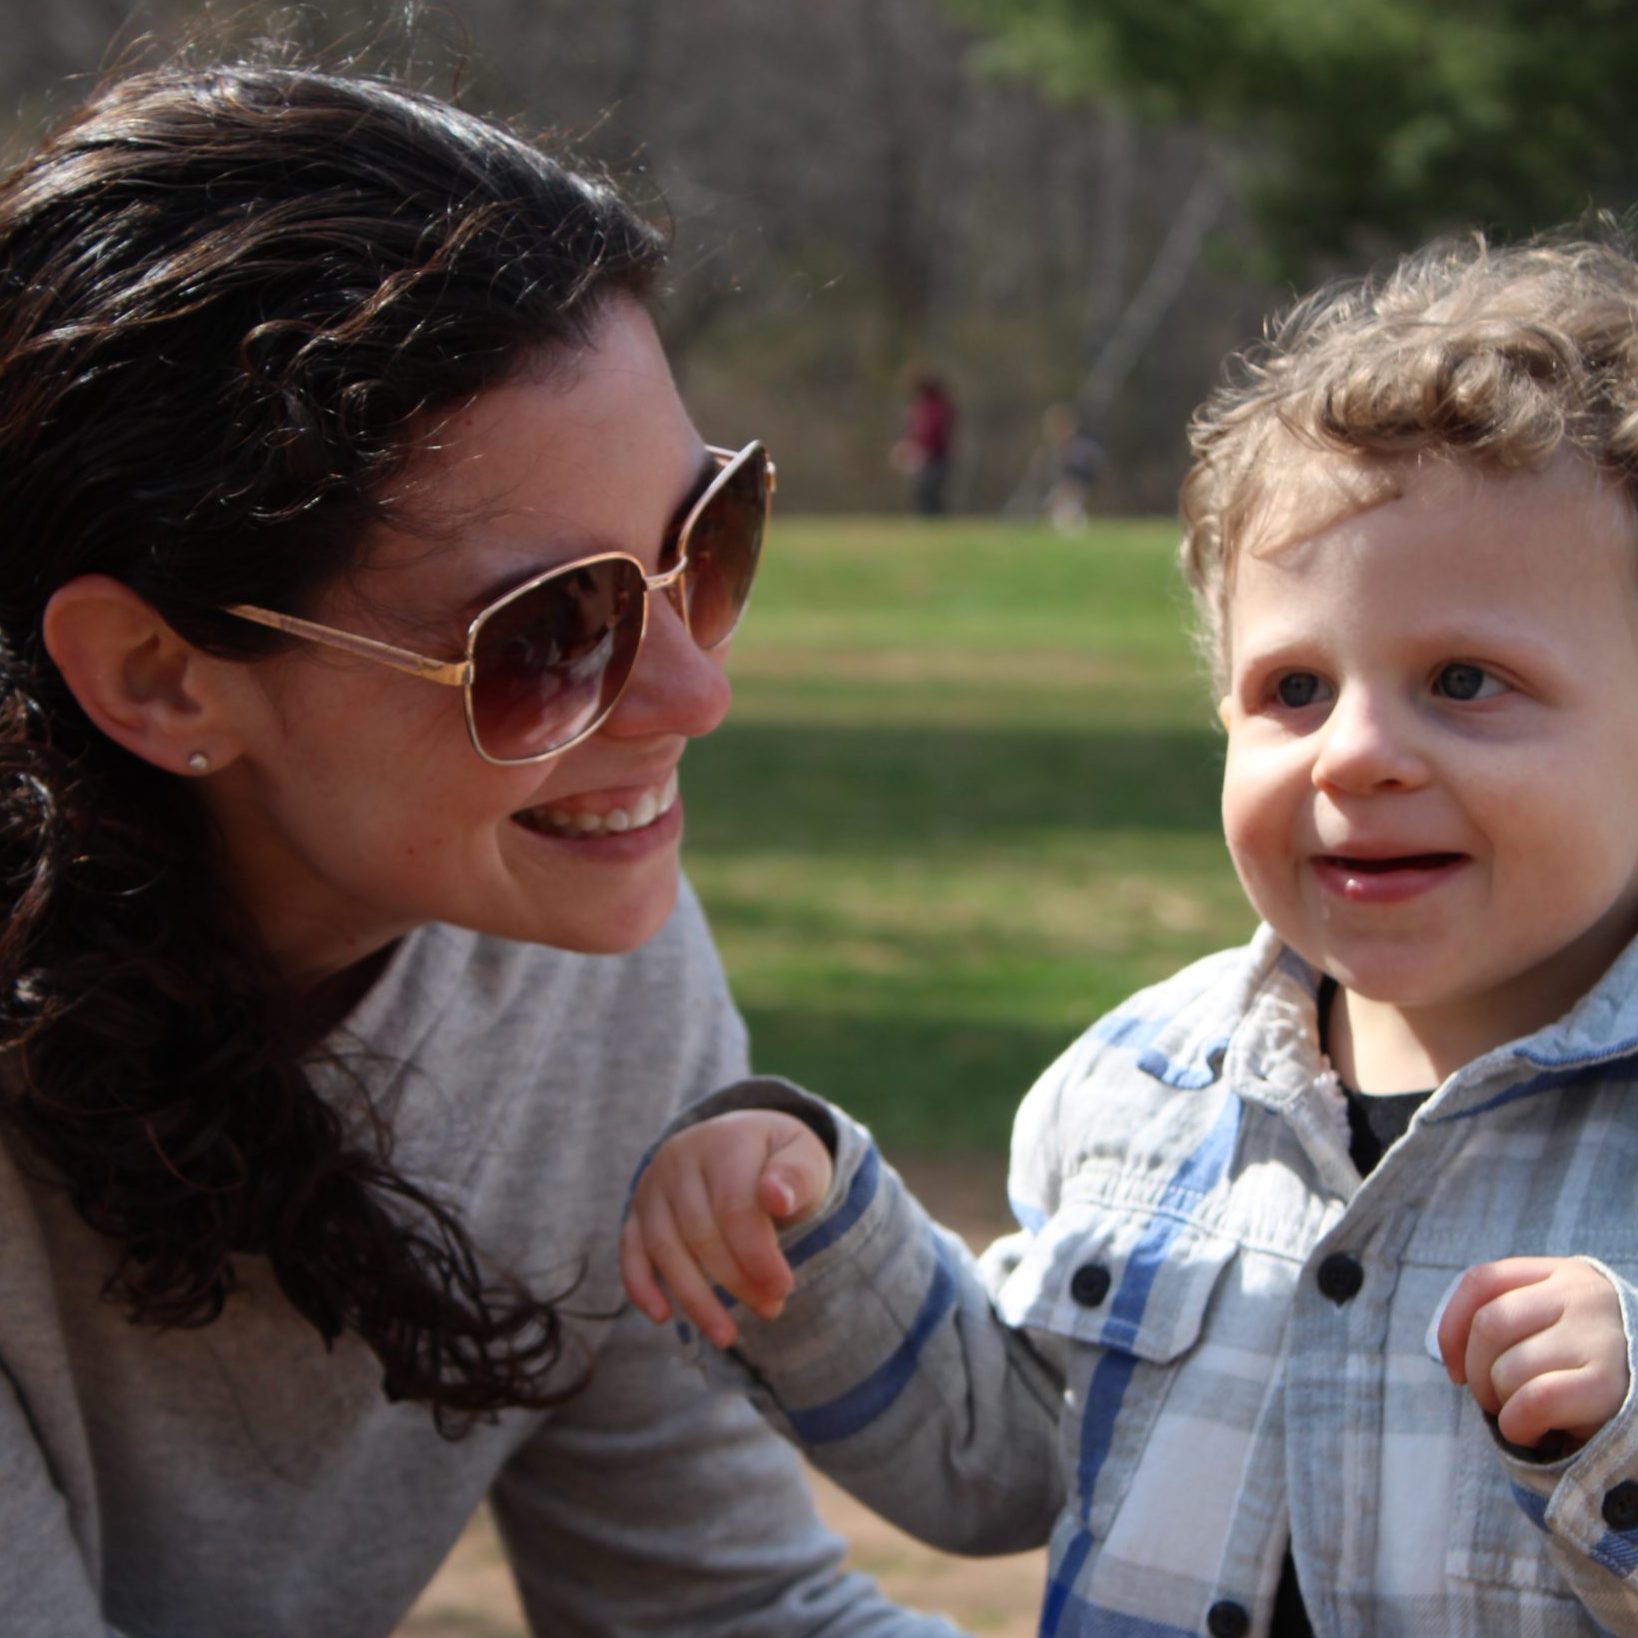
x: 676, y: 687
x: 1367, y: 745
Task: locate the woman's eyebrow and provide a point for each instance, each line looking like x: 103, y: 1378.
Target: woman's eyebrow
x: 520, y: 575
x: 709, y: 466
x: 707, y: 469
x: 587, y: 546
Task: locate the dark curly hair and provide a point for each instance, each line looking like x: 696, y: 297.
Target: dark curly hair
x: 229, y: 299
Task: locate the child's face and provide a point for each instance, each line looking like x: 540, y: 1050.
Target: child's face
x: 1432, y: 780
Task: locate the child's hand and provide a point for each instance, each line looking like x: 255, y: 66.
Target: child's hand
x: 708, y: 1209
x: 1540, y: 1344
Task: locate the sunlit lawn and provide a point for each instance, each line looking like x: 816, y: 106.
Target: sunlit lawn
x: 966, y: 801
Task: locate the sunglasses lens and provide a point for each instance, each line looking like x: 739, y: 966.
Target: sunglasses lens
x: 723, y: 548
x: 550, y: 662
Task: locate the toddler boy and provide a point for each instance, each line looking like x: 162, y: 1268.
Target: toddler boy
x: 1322, y: 1312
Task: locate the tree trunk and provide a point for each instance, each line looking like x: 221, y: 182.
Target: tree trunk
x: 1162, y: 284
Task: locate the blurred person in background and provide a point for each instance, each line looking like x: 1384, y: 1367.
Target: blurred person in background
x: 1062, y: 472
x: 923, y: 453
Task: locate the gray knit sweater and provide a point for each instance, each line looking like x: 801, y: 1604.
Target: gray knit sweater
x: 237, y: 1481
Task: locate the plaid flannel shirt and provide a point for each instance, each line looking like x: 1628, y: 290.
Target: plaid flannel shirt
x: 1210, y: 1336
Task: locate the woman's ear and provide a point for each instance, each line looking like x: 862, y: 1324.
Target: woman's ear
x: 135, y: 678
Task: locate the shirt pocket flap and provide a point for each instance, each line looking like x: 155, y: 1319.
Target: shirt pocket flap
x: 1118, y: 1277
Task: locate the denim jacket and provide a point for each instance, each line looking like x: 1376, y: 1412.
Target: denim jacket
x: 1210, y: 1336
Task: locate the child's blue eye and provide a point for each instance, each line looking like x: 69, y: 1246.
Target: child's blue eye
x: 1297, y: 689
x: 1466, y: 682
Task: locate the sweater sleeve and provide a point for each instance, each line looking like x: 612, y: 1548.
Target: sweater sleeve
x: 688, y: 1521
x: 46, y: 1586
x: 889, y: 1365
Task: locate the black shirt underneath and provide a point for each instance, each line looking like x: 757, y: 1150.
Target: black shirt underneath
x: 1374, y: 1125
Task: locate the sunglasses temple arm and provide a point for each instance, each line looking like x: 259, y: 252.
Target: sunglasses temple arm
x: 451, y: 673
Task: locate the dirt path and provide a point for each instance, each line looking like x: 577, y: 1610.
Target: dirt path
x: 472, y: 1596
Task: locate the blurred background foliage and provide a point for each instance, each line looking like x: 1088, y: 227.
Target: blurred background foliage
x: 1361, y: 121
x: 1046, y: 200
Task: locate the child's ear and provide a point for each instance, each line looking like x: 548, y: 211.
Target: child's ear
x: 135, y: 678
x: 1225, y: 712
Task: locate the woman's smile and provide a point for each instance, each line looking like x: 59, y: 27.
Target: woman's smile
x: 604, y: 813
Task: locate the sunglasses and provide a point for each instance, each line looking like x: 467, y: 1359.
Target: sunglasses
x: 546, y: 663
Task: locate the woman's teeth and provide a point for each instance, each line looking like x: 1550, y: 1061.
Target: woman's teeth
x: 644, y: 811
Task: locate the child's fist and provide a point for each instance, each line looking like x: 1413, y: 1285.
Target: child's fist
x: 707, y: 1211
x: 1540, y: 1344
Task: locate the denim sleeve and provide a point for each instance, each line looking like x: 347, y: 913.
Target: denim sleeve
x: 1588, y: 1502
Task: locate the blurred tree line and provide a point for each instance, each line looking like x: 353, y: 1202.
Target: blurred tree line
x: 1362, y: 122
x: 1044, y: 200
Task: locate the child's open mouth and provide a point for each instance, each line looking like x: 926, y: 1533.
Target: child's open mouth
x: 1383, y: 867
x: 1385, y: 880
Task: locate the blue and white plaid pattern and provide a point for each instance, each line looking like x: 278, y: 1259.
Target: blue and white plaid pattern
x: 1168, y: 1419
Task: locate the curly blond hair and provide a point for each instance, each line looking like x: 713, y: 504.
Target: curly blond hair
x: 1499, y: 357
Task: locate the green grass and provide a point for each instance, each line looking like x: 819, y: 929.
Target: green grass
x: 966, y: 801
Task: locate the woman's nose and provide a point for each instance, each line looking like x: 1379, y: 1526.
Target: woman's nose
x: 675, y: 687
x: 1367, y: 744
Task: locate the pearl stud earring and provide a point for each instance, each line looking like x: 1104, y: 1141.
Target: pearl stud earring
x: 199, y: 761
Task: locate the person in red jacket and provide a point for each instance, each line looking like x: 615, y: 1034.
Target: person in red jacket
x: 924, y: 450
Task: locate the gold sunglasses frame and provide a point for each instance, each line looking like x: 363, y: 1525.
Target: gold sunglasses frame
x: 458, y: 673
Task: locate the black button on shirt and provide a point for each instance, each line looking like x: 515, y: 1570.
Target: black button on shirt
x: 1620, y: 1507
x: 1089, y: 1284
x: 1339, y: 1277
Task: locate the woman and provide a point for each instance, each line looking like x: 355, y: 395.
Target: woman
x: 364, y: 582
